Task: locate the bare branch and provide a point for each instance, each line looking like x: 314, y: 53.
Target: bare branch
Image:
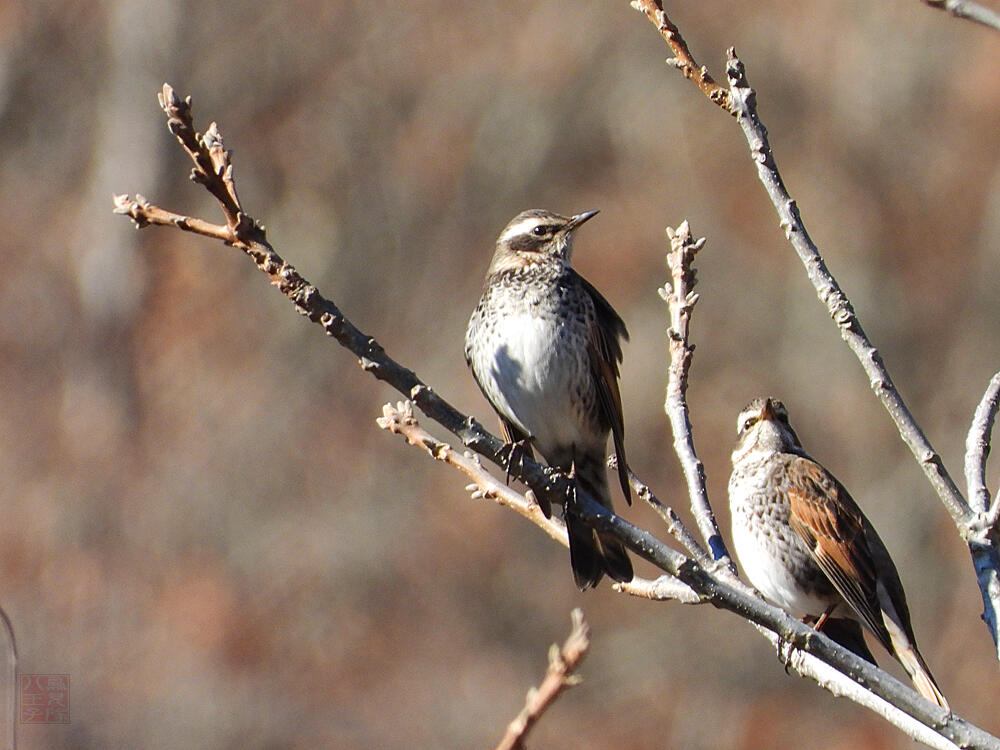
x: 399, y: 419
x: 681, y: 299
x: 669, y: 588
x: 968, y: 10
x: 743, y: 103
x: 212, y: 163
x: 143, y: 213
x: 675, y: 526
x: 977, y: 450
x: 830, y: 679
x: 213, y: 169
x: 983, y: 550
x: 683, y: 60
x: 984, y: 531
x: 830, y: 293
x: 664, y: 588
x: 559, y: 676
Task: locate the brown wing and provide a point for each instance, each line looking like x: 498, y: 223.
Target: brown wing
x: 833, y: 526
x: 605, y: 352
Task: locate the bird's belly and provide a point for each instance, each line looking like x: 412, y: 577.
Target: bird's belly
x: 777, y: 564
x: 536, y: 373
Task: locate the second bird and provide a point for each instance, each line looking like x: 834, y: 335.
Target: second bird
x: 804, y: 542
x: 544, y: 347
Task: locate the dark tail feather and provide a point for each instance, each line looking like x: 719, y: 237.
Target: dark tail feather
x: 592, y: 555
x: 616, y: 562
x: 584, y: 556
x: 848, y: 633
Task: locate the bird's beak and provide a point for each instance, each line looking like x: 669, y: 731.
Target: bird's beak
x: 768, y: 411
x: 577, y: 220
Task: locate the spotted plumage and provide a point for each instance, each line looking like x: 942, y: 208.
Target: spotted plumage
x: 544, y: 346
x: 805, y: 544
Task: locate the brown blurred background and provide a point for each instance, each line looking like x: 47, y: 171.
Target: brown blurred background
x: 202, y: 524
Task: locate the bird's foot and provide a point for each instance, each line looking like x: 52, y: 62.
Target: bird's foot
x: 785, y: 650
x: 511, y: 455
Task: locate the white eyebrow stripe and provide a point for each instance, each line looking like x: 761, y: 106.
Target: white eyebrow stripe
x: 522, y: 227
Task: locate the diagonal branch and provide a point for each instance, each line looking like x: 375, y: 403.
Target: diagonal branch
x: 743, y: 103
x: 683, y: 60
x: 144, y: 214
x: 806, y: 650
x: 830, y: 293
x: 675, y: 526
x: 399, y: 419
x: 968, y: 10
x: 561, y: 674
x: 983, y: 551
x: 213, y: 169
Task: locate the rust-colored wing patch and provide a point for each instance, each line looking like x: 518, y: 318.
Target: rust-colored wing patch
x: 832, y: 525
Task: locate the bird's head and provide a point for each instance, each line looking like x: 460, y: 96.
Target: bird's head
x: 536, y: 236
x: 763, y: 427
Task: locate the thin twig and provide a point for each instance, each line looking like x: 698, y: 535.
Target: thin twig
x: 683, y: 60
x: 399, y: 420
x: 561, y: 674
x: 675, y: 526
x: 968, y: 10
x: 662, y: 589
x: 743, y: 103
x: 681, y: 299
x: 977, y: 450
x: 982, y: 549
x: 983, y: 542
x: 143, y: 213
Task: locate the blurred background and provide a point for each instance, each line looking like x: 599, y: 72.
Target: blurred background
x: 202, y: 524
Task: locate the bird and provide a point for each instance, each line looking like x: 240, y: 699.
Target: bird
x: 544, y: 346
x: 804, y: 543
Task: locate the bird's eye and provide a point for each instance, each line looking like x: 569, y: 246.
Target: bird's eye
x: 747, y: 423
x: 540, y: 231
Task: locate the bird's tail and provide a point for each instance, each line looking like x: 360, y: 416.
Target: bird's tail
x: 919, y: 673
x: 849, y: 634
x: 593, y: 554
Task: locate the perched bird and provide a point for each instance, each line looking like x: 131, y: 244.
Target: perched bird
x: 544, y: 347
x: 806, y: 545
